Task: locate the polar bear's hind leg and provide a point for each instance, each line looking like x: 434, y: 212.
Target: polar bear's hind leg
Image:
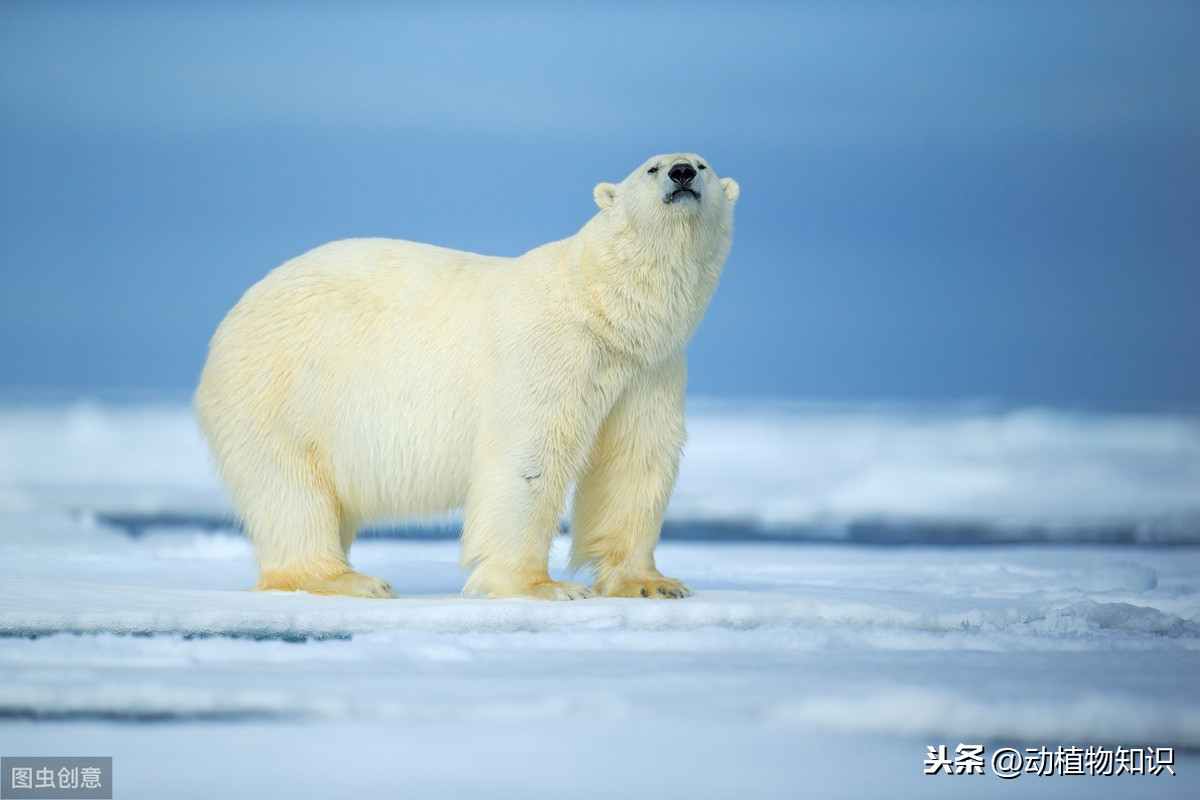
x: 300, y: 537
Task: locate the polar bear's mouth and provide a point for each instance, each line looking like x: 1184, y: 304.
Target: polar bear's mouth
x: 683, y: 194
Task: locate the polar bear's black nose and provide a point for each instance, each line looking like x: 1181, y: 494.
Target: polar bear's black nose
x: 682, y: 174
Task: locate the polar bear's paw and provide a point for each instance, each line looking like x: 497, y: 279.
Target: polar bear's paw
x: 355, y: 584
x: 529, y: 584
x: 558, y: 590
x: 349, y: 584
x: 655, y: 587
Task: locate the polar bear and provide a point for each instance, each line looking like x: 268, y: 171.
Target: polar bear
x: 376, y: 378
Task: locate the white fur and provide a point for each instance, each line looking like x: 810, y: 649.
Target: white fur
x: 375, y: 377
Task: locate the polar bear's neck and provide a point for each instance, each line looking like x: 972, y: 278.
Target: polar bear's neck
x: 648, y: 292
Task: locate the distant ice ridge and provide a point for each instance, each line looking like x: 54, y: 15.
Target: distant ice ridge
x: 829, y: 472
x: 90, y: 456
x: 1033, y: 471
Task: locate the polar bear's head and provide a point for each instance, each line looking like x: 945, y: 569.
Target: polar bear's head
x: 677, y: 187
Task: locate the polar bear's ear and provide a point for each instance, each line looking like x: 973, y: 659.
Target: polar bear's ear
x: 732, y: 190
x: 605, y: 194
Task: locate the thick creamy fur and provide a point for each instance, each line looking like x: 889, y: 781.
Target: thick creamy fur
x: 373, y: 377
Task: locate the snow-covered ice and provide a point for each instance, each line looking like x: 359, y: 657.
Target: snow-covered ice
x: 799, y: 668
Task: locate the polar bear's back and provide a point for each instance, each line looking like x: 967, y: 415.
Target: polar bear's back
x: 386, y: 274
x: 361, y: 353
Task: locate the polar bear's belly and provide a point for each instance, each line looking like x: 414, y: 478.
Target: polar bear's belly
x: 398, y: 437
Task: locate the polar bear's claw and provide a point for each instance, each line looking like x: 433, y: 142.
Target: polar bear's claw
x: 658, y: 588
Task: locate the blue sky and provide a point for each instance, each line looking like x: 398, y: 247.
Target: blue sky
x: 939, y: 200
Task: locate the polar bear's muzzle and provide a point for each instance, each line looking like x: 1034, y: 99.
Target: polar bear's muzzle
x: 681, y: 188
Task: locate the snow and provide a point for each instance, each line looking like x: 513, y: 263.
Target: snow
x: 820, y: 668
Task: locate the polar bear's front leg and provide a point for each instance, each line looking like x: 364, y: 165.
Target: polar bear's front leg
x: 622, y: 497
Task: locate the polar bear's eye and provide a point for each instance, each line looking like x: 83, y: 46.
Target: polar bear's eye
x: 702, y: 166
x: 652, y: 170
